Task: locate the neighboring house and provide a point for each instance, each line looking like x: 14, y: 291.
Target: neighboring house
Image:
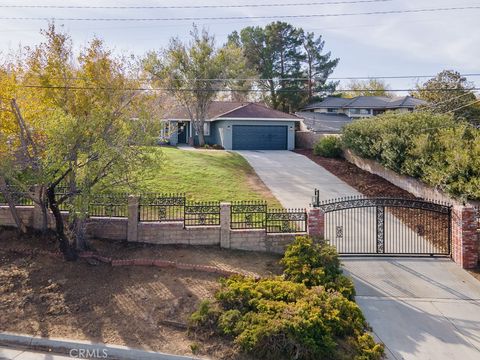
x: 364, y: 106
x: 329, y: 115
x: 235, y: 126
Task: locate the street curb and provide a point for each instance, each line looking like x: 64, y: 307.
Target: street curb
x: 100, y: 351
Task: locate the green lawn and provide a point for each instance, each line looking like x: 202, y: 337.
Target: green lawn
x: 206, y: 175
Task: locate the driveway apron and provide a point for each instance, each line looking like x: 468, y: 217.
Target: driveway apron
x: 420, y: 308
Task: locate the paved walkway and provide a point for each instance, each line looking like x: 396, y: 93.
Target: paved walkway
x: 292, y: 177
x: 420, y: 308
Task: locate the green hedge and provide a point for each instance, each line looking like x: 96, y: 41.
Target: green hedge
x: 434, y: 148
x: 301, y: 315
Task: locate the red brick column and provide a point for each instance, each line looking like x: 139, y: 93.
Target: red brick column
x: 316, y: 223
x: 465, y: 245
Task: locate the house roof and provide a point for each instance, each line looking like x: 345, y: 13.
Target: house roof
x: 324, y: 122
x: 329, y: 102
x: 232, y: 109
x: 371, y: 102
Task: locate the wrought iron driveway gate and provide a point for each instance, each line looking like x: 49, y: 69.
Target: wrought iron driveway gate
x: 386, y: 226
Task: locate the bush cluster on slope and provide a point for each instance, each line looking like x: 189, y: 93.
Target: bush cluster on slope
x: 329, y: 146
x: 303, y: 314
x: 435, y: 148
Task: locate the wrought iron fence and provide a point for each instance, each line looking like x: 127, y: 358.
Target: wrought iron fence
x: 161, y: 207
x: 19, y: 197
x: 108, y: 205
x: 392, y: 226
x: 202, y: 213
x: 286, y: 221
x: 61, y: 191
x: 248, y: 215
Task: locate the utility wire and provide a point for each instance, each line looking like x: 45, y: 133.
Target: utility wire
x: 296, y: 78
x: 191, y: 6
x: 434, y: 105
x: 248, y: 17
x: 464, y: 106
x: 68, y: 87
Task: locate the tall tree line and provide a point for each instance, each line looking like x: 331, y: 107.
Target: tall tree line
x: 291, y: 63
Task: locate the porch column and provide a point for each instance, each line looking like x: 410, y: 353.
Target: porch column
x: 191, y: 133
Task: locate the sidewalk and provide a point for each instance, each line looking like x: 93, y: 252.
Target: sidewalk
x: 25, y: 347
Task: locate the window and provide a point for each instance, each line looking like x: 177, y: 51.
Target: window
x: 332, y: 110
x: 360, y: 111
x: 206, y: 129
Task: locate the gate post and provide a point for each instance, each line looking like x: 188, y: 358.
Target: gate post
x: 133, y: 218
x: 225, y: 225
x: 316, y: 223
x: 464, y: 235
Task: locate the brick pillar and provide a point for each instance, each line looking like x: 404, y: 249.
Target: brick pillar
x: 316, y: 223
x: 465, y: 245
x: 225, y: 225
x: 37, y: 209
x: 133, y: 207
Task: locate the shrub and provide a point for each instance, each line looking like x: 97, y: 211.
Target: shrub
x: 434, y: 148
x: 315, y: 264
x: 278, y: 319
x: 301, y: 315
x: 329, y: 146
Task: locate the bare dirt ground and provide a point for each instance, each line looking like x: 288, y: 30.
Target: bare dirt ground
x: 141, y: 307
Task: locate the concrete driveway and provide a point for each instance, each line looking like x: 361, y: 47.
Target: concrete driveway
x: 420, y: 308
x: 292, y: 177
x: 423, y: 308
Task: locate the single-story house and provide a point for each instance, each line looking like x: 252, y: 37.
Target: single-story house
x: 235, y: 126
x: 364, y: 106
x: 324, y: 123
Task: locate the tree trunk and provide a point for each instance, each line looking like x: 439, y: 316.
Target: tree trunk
x: 11, y: 204
x: 66, y: 248
x: 44, y: 208
x: 79, y: 228
x: 201, y: 138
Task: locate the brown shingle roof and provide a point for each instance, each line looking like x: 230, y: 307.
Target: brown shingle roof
x: 232, y: 109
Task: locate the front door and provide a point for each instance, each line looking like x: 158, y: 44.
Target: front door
x: 182, y: 133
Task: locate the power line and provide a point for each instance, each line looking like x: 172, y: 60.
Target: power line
x: 464, y: 106
x: 247, y: 17
x: 191, y: 6
x: 68, y: 87
x: 433, y: 105
x: 294, y: 78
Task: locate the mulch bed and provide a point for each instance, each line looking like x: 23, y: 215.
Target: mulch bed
x: 368, y: 184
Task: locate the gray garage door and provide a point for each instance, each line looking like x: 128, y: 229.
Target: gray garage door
x: 259, y: 137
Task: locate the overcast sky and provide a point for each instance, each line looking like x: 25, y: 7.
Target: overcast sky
x: 377, y: 45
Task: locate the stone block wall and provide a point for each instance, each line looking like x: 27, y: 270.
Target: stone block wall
x: 107, y: 228
x: 131, y: 229
x: 175, y: 233
x: 24, y: 212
